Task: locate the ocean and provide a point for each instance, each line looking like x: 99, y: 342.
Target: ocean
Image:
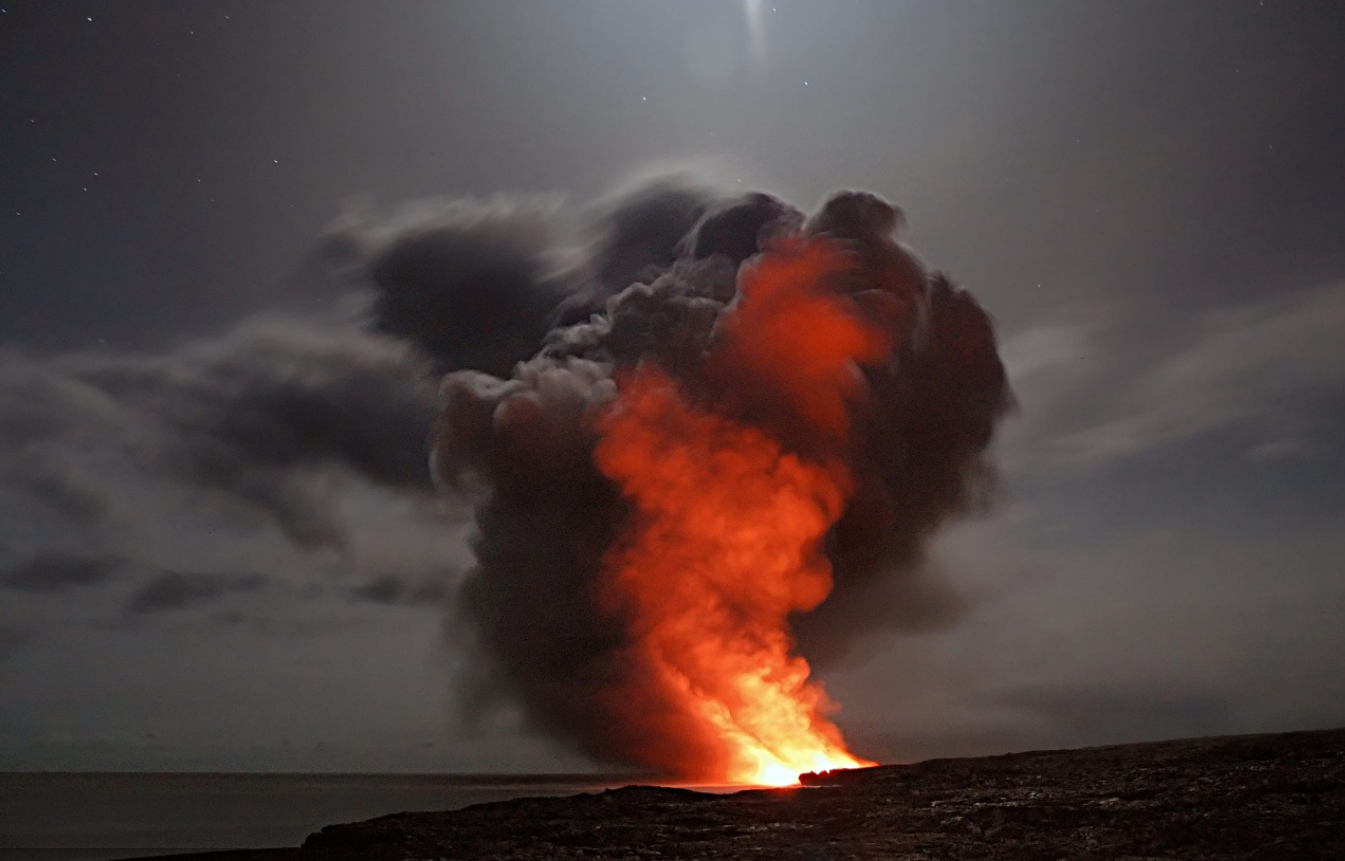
x: 98, y: 817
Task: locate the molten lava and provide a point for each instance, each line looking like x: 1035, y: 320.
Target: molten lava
x: 724, y: 539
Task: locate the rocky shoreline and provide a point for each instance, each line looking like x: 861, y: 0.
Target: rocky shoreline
x: 1257, y: 798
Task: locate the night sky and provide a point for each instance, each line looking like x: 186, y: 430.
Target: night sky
x: 1149, y: 198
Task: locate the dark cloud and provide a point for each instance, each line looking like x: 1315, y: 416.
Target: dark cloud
x: 636, y: 235
x: 471, y: 283
x: 178, y: 590
x: 550, y: 517
x: 277, y: 394
x: 60, y: 572
x: 639, y: 231
x: 245, y: 416
x: 739, y: 227
x: 390, y: 589
x: 296, y: 450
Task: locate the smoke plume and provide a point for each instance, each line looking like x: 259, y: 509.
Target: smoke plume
x: 706, y: 440
x: 856, y: 383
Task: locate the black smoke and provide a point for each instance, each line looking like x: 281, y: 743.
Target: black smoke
x: 527, y: 311
x: 657, y: 285
x: 472, y: 284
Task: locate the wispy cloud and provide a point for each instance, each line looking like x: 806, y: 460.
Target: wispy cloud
x: 1259, y: 366
x: 1264, y: 369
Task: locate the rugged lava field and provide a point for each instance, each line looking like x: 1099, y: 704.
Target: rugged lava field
x: 1278, y: 797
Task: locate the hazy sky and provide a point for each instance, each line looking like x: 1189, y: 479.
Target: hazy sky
x: 1149, y: 197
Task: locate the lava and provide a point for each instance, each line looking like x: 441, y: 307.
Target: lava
x: 724, y: 541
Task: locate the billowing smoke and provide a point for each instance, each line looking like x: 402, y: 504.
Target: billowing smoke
x: 658, y: 290
x: 565, y: 342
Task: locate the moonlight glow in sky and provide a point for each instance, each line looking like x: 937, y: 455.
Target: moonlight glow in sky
x: 756, y: 30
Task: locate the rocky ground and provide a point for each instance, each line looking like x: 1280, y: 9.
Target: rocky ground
x: 1279, y: 797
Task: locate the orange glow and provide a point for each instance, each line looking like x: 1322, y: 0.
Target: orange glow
x: 793, y: 332
x: 725, y: 537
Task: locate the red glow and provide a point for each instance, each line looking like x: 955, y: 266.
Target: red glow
x: 724, y: 544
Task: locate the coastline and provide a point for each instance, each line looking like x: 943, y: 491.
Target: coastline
x: 1276, y: 796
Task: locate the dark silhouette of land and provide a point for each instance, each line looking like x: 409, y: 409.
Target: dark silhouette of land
x: 1257, y: 798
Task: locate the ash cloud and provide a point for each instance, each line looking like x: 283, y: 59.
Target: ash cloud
x: 529, y: 608
x: 527, y: 311
x: 472, y: 284
x: 634, y: 235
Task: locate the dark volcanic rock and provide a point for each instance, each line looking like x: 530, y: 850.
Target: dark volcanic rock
x: 1258, y: 798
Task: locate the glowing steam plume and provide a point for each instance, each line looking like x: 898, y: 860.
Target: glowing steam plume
x: 724, y: 544
x: 717, y: 473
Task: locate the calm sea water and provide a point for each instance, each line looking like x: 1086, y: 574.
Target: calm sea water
x: 94, y: 817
